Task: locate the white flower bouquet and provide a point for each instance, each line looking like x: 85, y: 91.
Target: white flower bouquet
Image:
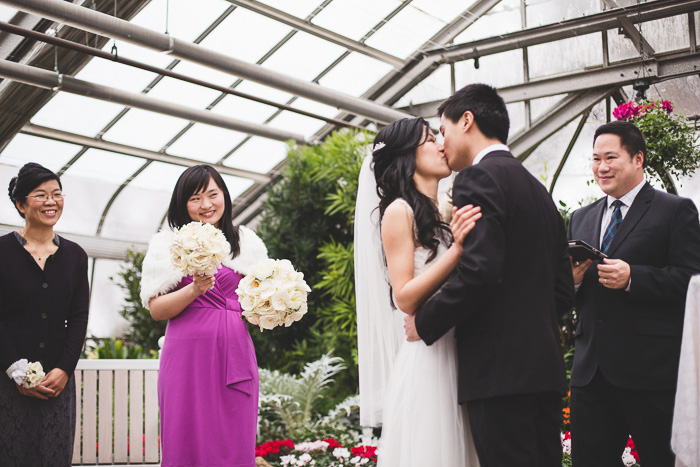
x: 445, y: 205
x: 198, y: 248
x: 273, y: 294
x: 27, y: 374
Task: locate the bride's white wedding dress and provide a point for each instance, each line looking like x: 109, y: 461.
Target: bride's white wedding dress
x: 424, y: 426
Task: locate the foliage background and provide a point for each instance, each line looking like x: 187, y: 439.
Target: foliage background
x: 308, y: 218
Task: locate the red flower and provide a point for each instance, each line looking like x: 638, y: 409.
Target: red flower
x: 273, y: 447
x: 630, y: 444
x: 369, y: 452
x: 332, y: 444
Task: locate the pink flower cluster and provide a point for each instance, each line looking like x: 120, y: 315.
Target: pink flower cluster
x: 632, y: 110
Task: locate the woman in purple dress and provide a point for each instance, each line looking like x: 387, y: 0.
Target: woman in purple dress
x: 208, y: 379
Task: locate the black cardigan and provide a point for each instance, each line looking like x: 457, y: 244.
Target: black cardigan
x: 43, y: 314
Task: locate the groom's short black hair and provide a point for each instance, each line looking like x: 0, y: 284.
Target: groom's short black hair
x: 483, y: 101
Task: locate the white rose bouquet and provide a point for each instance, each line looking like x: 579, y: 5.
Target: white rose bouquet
x: 198, y: 248
x: 273, y: 294
x: 27, y: 374
x: 445, y: 205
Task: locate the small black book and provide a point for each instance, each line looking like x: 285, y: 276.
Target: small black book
x: 581, y: 251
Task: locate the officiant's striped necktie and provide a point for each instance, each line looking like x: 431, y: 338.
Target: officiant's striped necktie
x: 615, y: 222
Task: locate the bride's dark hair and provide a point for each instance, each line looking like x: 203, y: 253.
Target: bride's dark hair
x: 394, y: 165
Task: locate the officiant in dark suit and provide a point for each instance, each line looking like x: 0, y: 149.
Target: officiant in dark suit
x: 630, y: 306
x: 513, y: 280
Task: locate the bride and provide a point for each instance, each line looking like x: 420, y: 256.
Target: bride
x: 412, y: 392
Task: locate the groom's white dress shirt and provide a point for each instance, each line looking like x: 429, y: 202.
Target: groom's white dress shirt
x: 489, y: 149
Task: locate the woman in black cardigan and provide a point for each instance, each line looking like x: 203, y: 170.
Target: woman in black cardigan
x: 43, y: 318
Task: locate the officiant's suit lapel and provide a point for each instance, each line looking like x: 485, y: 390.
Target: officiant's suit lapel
x: 639, y: 208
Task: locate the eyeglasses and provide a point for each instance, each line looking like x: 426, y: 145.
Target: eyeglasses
x: 44, y: 197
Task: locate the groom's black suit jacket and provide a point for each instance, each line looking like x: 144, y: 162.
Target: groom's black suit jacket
x: 512, y: 282
x: 635, y: 337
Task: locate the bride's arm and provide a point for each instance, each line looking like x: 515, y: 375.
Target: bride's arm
x: 397, y: 239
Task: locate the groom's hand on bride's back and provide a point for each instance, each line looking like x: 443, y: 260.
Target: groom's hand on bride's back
x: 409, y: 325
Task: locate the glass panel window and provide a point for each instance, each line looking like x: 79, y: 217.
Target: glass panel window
x: 303, y: 57
x: 541, y: 12
x: 435, y: 87
x: 105, y: 166
x: 176, y: 17
x: 146, y: 130
x: 84, y: 204
x: 206, y: 143
x: 76, y: 114
x: 298, y: 8
x: 355, y: 74
x: 405, y: 33
x: 245, y: 35
x: 504, y: 69
x: 501, y: 19
x: 116, y: 75
x: 444, y: 10
x: 290, y: 121
x: 589, y: 53
x: 258, y: 155
x: 106, y: 299
x: 183, y: 93
x: 6, y: 13
x: 354, y: 18
x: 24, y: 148
x: 244, y: 109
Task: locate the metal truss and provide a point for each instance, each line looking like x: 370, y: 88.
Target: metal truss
x: 563, y: 30
x: 95, y: 247
x: 325, y: 34
x: 96, y: 143
x: 573, y: 105
x: 100, y: 23
x: 58, y: 82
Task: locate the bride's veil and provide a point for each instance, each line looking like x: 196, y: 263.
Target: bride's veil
x: 379, y: 325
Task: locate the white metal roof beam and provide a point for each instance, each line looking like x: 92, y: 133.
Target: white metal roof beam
x: 50, y: 80
x: 658, y: 69
x: 563, y: 30
x: 559, y: 115
x: 95, y: 247
x: 72, y: 138
x: 310, y: 28
x: 106, y: 25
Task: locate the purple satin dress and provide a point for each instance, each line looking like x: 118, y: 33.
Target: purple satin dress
x: 208, y: 382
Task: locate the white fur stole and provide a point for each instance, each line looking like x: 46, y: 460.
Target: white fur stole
x: 159, y: 276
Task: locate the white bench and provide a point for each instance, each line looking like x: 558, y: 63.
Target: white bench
x: 116, y: 412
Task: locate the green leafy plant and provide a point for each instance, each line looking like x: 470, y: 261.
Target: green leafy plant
x: 308, y: 218
x: 670, y: 140
x: 117, y: 348
x: 144, y: 331
x: 291, y: 406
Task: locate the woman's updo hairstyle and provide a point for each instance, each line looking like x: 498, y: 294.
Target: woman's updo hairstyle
x: 394, y: 163
x: 30, y: 176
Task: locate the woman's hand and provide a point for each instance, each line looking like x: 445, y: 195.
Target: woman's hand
x: 55, y: 380
x: 463, y: 221
x: 39, y: 392
x: 202, y: 283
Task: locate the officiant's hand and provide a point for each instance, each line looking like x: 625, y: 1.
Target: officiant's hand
x: 409, y: 324
x: 579, y: 269
x: 203, y: 282
x: 614, y: 274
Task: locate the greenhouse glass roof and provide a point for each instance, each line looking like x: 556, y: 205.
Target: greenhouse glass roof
x: 121, y: 106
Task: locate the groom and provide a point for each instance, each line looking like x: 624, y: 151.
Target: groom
x: 513, y: 281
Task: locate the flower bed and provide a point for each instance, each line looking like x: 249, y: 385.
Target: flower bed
x: 321, y: 453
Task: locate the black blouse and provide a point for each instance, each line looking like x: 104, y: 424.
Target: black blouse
x: 43, y: 313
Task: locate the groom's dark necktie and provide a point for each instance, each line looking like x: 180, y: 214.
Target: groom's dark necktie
x: 615, y: 222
